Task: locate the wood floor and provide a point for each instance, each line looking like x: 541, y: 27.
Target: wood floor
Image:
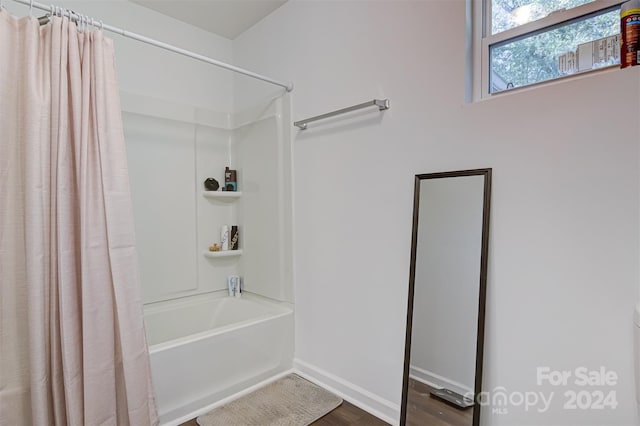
x: 423, y: 409
x: 348, y: 414
x: 345, y: 415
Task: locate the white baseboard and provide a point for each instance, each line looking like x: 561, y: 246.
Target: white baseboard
x: 437, y: 381
x: 361, y: 398
x: 226, y: 400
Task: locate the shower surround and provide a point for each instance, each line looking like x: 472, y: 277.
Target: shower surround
x: 206, y: 346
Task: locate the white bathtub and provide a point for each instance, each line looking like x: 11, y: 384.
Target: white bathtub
x: 206, y: 348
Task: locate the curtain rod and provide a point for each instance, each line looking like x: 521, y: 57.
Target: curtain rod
x: 74, y: 16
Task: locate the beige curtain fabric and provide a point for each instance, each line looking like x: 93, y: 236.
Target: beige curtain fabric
x: 72, y: 344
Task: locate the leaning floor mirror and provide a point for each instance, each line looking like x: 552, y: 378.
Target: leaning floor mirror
x: 447, y: 288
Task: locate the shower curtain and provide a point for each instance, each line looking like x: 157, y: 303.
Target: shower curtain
x: 72, y: 344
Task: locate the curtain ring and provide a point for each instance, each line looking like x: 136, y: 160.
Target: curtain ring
x: 101, y: 26
x: 52, y: 12
x: 30, y: 7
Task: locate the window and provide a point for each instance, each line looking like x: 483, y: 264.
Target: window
x: 530, y: 41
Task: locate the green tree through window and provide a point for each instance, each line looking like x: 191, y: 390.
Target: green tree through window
x: 534, y: 58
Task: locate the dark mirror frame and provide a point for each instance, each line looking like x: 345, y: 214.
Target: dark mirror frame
x: 486, y: 209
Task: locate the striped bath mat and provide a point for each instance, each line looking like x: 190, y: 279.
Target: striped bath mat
x: 290, y: 401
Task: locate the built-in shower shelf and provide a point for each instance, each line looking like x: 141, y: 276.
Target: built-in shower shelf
x: 226, y: 253
x: 221, y: 194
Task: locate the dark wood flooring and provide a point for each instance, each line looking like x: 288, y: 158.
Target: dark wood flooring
x: 348, y: 414
x: 345, y: 415
x: 423, y: 409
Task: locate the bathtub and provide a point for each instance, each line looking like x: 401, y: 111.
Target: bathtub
x: 207, y: 348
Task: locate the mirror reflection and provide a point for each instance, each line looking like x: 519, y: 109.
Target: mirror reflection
x: 446, y: 302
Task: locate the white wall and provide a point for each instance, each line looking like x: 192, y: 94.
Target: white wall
x: 563, y: 266
x: 447, y: 282
x: 264, y: 211
x: 163, y: 203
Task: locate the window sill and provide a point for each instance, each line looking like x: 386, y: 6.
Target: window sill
x: 534, y: 86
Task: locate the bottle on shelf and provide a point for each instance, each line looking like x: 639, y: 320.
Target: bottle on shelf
x: 224, y: 237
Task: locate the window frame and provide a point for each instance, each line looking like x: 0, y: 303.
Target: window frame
x: 483, y: 40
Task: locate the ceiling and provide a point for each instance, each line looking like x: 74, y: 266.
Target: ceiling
x: 227, y: 18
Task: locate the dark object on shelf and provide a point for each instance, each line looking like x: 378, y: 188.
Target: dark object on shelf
x: 210, y: 184
x: 234, y: 242
x: 230, y: 179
